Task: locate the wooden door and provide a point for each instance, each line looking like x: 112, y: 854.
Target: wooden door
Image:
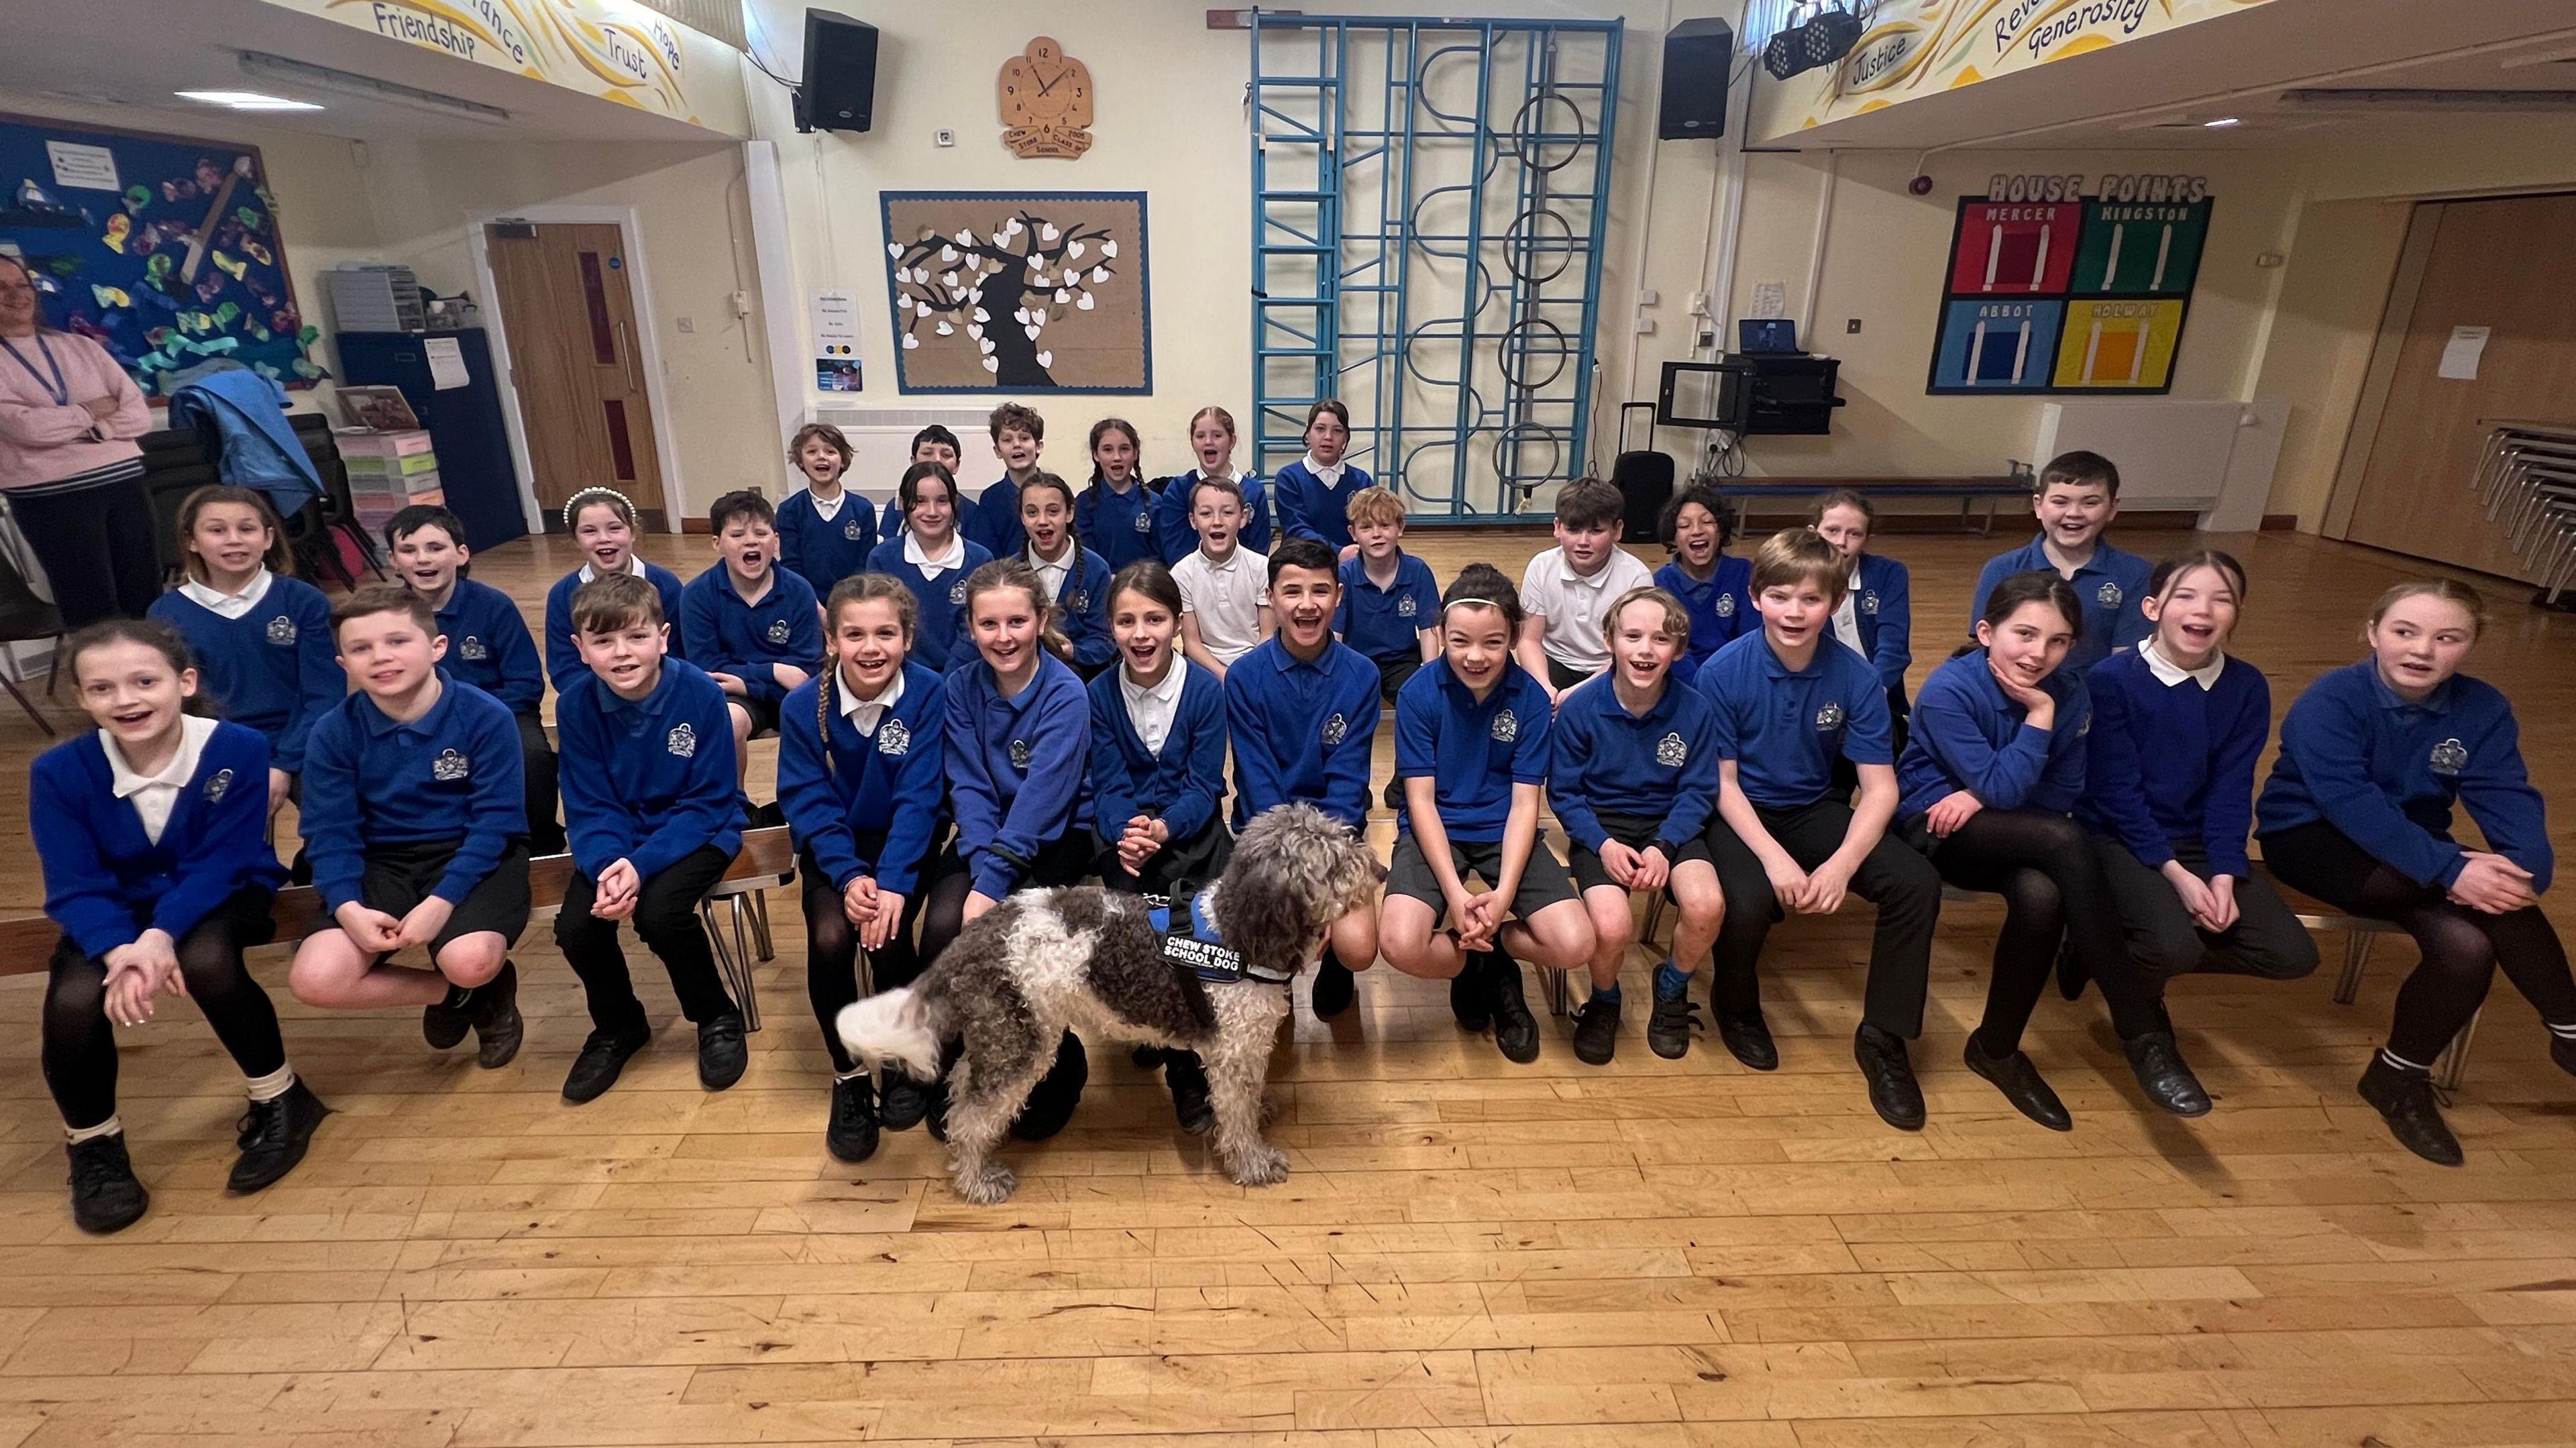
x: 576, y: 361
x: 2508, y: 265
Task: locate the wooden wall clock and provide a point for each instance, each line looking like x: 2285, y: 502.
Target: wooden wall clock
x: 1046, y: 102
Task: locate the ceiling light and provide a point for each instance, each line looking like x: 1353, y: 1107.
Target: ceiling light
x: 245, y: 100
x: 302, y: 75
x: 2222, y: 123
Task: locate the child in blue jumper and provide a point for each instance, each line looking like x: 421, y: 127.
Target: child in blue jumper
x: 1634, y: 781
x: 1715, y: 589
x: 261, y: 635
x: 933, y: 560
x: 1212, y: 441
x: 1471, y: 745
x: 2358, y: 813
x: 860, y: 774
x: 933, y: 444
x: 1876, y: 617
x: 2077, y: 497
x: 152, y: 833
x: 1314, y: 492
x: 416, y: 817
x: 602, y: 524
x: 1017, y: 733
x: 1390, y: 605
x: 1076, y: 578
x: 1019, y: 435
x: 655, y: 816
x: 825, y: 532
x: 1987, y: 784
x: 1114, y: 517
x: 752, y: 626
x: 488, y: 646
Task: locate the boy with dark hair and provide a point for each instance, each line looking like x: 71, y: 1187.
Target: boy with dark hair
x: 652, y: 806
x: 933, y: 444
x: 488, y: 646
x: 416, y: 821
x: 1390, y: 608
x: 1790, y: 701
x: 753, y: 627
x: 2077, y: 497
x: 1565, y: 590
x: 824, y: 535
x: 1019, y: 434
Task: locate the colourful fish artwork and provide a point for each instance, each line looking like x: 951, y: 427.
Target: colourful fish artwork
x: 210, y: 286
x: 137, y: 197
x: 158, y: 267
x: 232, y: 265
x: 111, y: 296
x: 119, y: 227
x: 249, y: 217
x: 32, y: 197
x: 258, y: 253
x: 178, y: 190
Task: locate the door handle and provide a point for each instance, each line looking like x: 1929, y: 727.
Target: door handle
x: 626, y: 357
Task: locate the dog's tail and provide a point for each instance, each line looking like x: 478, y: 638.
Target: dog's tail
x: 893, y: 1028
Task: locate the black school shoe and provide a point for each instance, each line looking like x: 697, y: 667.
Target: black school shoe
x: 603, y: 1057
x: 1668, y: 1030
x: 2021, y: 1083
x: 851, y: 1134
x: 106, y: 1197
x: 1893, y: 1092
x: 274, y: 1134
x: 443, y: 1025
x: 2163, y: 1076
x: 1596, y: 1031
x: 903, y: 1103
x: 1515, y: 1029
x: 1748, y: 1036
x: 1191, y: 1107
x: 1050, y: 1104
x: 1335, y: 988
x: 721, y: 1052
x: 1471, y: 995
x: 2405, y: 1102
x: 498, y: 1028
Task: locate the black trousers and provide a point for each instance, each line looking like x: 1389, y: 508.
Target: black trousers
x: 666, y: 917
x: 832, y: 950
x: 2462, y: 947
x: 80, y: 1043
x: 2266, y: 940
x: 537, y: 759
x: 96, y: 545
x: 1894, y: 876
x: 2044, y: 867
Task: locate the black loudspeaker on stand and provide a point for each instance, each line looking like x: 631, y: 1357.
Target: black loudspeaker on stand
x: 1698, y: 55
x: 840, y: 89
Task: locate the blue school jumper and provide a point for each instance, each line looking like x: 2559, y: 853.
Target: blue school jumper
x: 1883, y: 609
x: 1661, y: 764
x: 940, y: 637
x: 1082, y: 607
x: 890, y: 522
x: 889, y: 786
x: 2111, y: 585
x: 1784, y: 727
x: 454, y: 773
x: 728, y: 636
x: 1178, y: 540
x: 1309, y: 507
x: 563, y: 656
x: 106, y: 883
x: 273, y: 669
x: 1184, y: 784
x: 1302, y: 731
x: 1474, y: 751
x: 1968, y: 734
x: 2166, y: 764
x: 1015, y: 769
x: 649, y: 782
x: 821, y: 550
x: 2386, y: 773
x: 1721, y: 610
x: 488, y: 646
x: 1117, y: 526
x: 1385, y: 624
x: 995, y: 522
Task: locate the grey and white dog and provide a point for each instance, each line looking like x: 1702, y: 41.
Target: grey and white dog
x: 1090, y: 959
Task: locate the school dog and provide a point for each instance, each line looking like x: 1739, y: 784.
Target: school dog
x: 1090, y: 959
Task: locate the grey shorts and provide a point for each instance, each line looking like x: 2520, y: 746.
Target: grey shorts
x: 1543, y: 883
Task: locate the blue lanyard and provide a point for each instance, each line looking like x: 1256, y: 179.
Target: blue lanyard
x: 58, y: 389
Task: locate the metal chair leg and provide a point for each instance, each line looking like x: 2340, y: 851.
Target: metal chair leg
x: 1654, y: 917
x: 2453, y: 1066
x: 1553, y: 983
x: 29, y: 705
x: 2356, y: 955
x: 733, y: 958
x: 867, y: 969
x: 760, y: 924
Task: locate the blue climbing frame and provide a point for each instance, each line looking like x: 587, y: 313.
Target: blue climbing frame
x: 1429, y: 202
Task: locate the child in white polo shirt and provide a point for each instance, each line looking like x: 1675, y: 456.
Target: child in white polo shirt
x: 1225, y: 593
x: 1565, y: 589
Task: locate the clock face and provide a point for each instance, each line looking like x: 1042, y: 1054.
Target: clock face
x: 1046, y: 100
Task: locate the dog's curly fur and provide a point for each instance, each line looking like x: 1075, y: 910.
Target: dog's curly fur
x: 1089, y: 959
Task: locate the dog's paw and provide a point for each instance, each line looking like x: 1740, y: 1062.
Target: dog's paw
x: 1262, y: 1166
x: 990, y: 1186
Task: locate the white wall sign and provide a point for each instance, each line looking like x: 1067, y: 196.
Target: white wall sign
x: 90, y: 168
x: 2460, y: 354
x: 836, y: 324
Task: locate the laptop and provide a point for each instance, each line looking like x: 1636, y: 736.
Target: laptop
x: 1756, y: 336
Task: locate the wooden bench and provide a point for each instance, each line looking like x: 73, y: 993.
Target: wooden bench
x: 766, y: 861
x: 1967, y: 490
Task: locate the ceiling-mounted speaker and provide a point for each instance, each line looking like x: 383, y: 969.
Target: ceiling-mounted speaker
x: 840, y: 89
x: 1698, y: 54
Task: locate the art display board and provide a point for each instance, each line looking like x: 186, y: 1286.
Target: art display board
x: 1008, y: 291
x: 2051, y: 291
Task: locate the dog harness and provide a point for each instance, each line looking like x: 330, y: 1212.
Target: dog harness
x: 1190, y: 942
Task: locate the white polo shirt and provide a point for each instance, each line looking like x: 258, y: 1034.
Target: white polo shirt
x: 1573, y: 604
x: 1227, y: 598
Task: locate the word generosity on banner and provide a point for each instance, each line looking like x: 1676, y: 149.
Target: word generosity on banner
x: 612, y: 49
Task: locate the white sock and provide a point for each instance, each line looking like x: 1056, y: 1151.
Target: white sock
x: 2400, y: 1062
x: 273, y: 1085
x: 112, y: 1126
x: 840, y: 1076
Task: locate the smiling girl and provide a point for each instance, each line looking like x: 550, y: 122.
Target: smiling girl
x: 602, y: 525
x: 933, y: 559
x: 1212, y: 442
x: 1716, y: 590
x: 1076, y: 578
x: 1115, y: 515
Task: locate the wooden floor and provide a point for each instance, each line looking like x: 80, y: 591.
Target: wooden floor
x: 1654, y: 1255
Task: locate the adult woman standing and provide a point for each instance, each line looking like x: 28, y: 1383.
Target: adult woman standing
x: 68, y: 462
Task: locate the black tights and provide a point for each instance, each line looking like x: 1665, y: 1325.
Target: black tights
x: 80, y: 1044
x: 2461, y: 946
x: 1061, y: 861
x: 2053, y: 889
x: 832, y: 957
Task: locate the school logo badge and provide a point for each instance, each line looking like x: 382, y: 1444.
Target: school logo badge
x: 2448, y: 756
x: 893, y: 738
x: 1507, y: 727
x: 957, y: 593
x: 473, y: 650
x: 1670, y: 751
x: 1074, y: 602
x: 1726, y: 605
x: 1830, y: 716
x: 1019, y: 754
x: 779, y: 632
x: 449, y: 767
x: 1405, y: 607
x: 1869, y: 602
x: 1144, y: 522
x: 281, y: 630
x: 2108, y: 595
x: 682, y: 741
x: 1336, y: 729
x: 221, y: 781
x: 852, y: 531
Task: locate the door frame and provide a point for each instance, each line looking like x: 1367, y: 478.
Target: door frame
x: 675, y: 493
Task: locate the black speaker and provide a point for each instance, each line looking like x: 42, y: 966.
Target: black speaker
x: 840, y: 89
x: 1698, y: 54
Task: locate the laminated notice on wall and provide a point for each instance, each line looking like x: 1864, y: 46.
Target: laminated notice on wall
x: 2460, y: 354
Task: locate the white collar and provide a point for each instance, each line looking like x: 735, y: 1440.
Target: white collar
x: 231, y: 605
x: 1598, y: 578
x: 830, y: 510
x: 2169, y: 673
x: 955, y: 557
x: 194, y: 731
x: 1327, y: 474
x: 1167, y: 692
x: 634, y: 568
x: 1072, y: 551
x: 851, y: 703
x: 1225, y: 564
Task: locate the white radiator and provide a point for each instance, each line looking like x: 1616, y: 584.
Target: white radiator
x: 2175, y: 454
x: 881, y: 443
